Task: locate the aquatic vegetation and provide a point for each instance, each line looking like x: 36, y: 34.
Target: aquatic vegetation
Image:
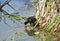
x: 48, y: 18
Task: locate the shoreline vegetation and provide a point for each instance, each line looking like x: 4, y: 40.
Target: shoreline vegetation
x: 48, y: 18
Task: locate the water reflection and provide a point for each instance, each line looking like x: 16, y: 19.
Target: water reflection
x: 5, y: 30
x: 29, y: 31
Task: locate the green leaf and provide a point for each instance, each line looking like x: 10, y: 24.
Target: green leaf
x: 51, y: 24
x: 15, y: 17
x: 49, y: 38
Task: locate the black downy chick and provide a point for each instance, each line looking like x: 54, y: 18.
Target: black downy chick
x: 30, y: 20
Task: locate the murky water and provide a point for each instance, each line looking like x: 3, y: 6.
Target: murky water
x: 8, y: 30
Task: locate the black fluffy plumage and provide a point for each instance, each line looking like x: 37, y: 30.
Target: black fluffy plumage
x: 58, y: 10
x: 30, y: 20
